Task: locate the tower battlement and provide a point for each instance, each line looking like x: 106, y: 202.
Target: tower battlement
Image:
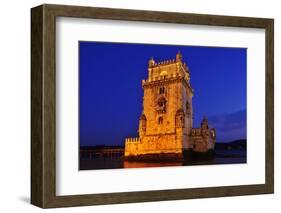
x: 163, y: 63
x: 132, y: 140
x: 167, y: 69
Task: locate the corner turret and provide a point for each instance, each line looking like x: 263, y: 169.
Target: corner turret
x: 151, y: 62
x: 178, y: 57
x: 204, y: 123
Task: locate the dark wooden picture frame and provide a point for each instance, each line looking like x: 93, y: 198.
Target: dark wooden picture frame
x: 43, y: 105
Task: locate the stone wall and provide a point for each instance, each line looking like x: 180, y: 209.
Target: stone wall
x: 202, y: 139
x: 154, y: 144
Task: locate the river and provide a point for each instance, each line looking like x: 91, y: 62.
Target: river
x: 221, y: 157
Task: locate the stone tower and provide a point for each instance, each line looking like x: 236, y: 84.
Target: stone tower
x: 167, y: 117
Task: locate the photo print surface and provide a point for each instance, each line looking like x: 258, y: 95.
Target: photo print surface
x: 153, y: 105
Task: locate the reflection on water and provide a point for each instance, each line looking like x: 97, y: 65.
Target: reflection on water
x: 132, y: 164
x: 221, y: 157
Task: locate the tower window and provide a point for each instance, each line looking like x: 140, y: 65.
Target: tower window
x: 160, y: 120
x: 187, y: 105
x: 161, y: 90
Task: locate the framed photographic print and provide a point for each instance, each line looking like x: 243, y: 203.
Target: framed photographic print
x: 136, y: 106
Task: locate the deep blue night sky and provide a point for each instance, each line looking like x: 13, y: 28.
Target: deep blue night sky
x: 110, y: 89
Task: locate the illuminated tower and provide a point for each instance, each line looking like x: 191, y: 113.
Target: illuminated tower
x: 167, y: 117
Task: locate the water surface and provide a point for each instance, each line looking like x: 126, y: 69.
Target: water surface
x: 221, y: 157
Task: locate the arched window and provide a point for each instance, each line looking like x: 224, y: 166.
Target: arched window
x: 143, y: 122
x: 187, y: 106
x: 160, y: 120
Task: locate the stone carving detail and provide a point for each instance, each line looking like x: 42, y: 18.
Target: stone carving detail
x: 161, y: 105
